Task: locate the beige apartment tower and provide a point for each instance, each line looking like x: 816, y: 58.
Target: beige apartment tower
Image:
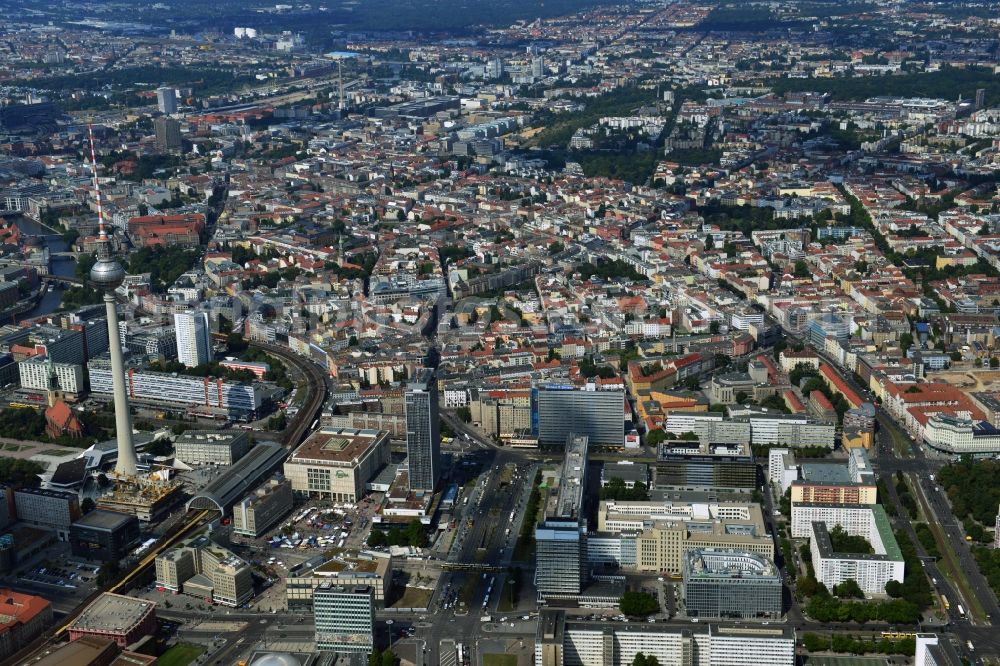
x: 258, y: 511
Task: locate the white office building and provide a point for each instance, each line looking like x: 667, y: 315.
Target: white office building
x: 709, y: 427
x: 786, y: 430
x: 859, y: 466
x: 194, y: 344
x: 215, y: 447
x: 35, y: 375
x: 781, y: 469
x: 960, y: 436
x: 791, y: 430
x: 935, y: 650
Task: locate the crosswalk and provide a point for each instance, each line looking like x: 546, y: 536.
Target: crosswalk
x: 446, y: 653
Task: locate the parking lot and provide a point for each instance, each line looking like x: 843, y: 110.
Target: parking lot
x: 57, y: 576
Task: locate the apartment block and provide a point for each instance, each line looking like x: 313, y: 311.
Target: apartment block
x: 560, y: 641
x: 870, y: 571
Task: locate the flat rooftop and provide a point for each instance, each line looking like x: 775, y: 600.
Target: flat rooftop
x: 337, y: 445
x: 344, y: 565
x: 692, y: 450
x: 574, y: 475
x: 743, y: 631
x: 626, y: 471
x: 210, y: 437
x: 826, y: 472
x: 880, y: 521
x: 678, y: 510
x: 84, y: 651
x: 113, y: 612
x: 711, y: 563
x: 103, y: 519
x: 349, y: 566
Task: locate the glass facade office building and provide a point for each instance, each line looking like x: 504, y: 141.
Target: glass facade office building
x: 560, y: 558
x: 600, y: 415
x: 345, y: 618
x: 730, y: 584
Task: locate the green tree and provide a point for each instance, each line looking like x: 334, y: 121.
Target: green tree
x: 160, y: 447
x: 849, y: 589
x: 616, y: 489
x: 19, y: 472
x: 278, y: 422
x: 108, y: 573
x: 608, y: 270
x: 843, y: 542
x: 806, y: 586
x: 776, y: 402
x: 905, y: 342
x: 655, y: 437
x: 236, y: 344
x: 638, y: 604
x: 801, y: 269
x: 642, y: 660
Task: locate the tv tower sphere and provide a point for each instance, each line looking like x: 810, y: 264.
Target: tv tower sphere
x: 107, y: 274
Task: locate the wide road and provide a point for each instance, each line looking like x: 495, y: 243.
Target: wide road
x: 934, y: 503
x: 494, y: 507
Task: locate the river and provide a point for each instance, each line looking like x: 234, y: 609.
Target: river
x: 65, y: 266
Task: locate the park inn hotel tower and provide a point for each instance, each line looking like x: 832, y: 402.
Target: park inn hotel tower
x: 423, y: 432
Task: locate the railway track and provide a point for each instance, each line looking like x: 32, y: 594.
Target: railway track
x: 316, y: 387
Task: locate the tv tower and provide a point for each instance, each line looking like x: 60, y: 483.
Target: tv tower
x: 107, y: 274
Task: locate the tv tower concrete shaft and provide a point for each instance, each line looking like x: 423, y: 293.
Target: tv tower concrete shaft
x: 127, y: 462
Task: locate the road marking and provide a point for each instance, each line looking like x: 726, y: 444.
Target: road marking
x: 446, y: 654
